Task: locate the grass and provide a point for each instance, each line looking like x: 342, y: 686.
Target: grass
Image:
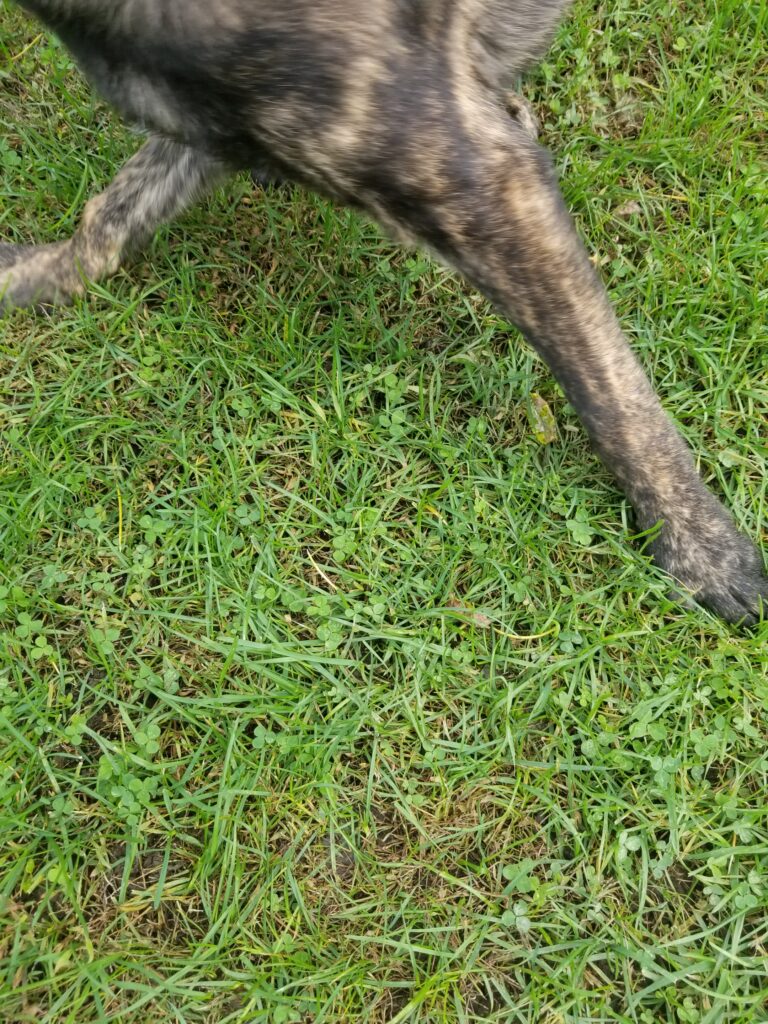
x: 328, y: 693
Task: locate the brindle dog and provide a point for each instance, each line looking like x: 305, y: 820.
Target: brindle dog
x: 400, y: 108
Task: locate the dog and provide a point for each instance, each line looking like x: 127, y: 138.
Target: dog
x: 402, y: 109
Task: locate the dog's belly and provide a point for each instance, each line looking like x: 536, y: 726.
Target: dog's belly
x: 224, y: 84
x: 243, y: 77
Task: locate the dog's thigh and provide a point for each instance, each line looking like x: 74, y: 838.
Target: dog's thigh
x: 161, y: 180
x: 483, y: 195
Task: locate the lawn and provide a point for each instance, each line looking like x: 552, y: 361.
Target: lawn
x: 332, y: 687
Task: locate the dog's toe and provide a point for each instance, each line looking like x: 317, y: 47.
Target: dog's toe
x: 718, y: 567
x: 744, y: 599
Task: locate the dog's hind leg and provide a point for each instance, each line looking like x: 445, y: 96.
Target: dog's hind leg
x: 483, y: 195
x: 11, y: 254
x: 161, y: 180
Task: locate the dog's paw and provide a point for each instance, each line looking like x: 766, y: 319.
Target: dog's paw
x: 716, y: 566
x: 11, y: 254
x: 35, y: 276
x: 521, y: 111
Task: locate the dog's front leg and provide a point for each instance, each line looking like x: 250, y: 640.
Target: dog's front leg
x: 161, y: 180
x: 485, y: 198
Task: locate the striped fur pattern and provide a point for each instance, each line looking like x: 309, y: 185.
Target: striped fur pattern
x: 400, y: 108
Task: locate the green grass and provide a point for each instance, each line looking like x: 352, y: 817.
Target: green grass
x: 327, y: 692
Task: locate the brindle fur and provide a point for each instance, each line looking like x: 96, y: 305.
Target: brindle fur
x: 400, y: 108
